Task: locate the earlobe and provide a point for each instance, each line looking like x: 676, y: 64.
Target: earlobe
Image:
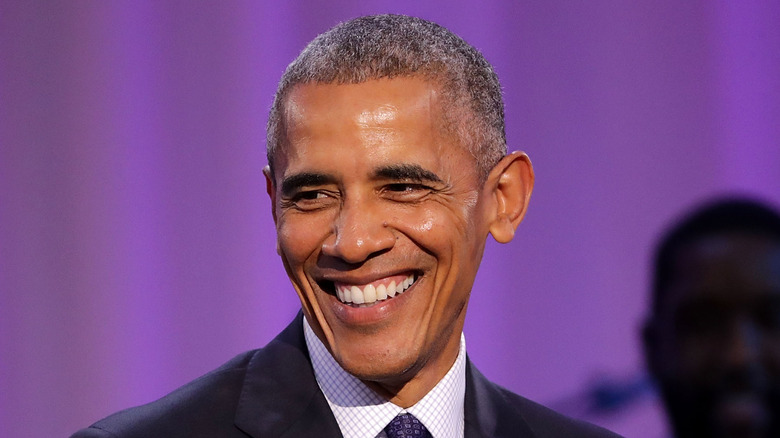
x: 512, y: 181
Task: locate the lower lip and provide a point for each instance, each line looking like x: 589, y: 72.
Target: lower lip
x: 375, y: 313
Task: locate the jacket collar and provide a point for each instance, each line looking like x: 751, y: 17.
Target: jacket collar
x: 281, y: 398
x: 487, y: 412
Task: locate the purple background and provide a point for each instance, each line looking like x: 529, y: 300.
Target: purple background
x: 136, y: 242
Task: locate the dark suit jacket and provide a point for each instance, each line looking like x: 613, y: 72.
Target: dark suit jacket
x: 272, y: 393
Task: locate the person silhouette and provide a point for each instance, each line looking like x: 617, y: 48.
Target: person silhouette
x: 712, y: 337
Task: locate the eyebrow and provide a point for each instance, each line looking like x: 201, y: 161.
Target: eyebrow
x: 413, y: 172
x: 409, y: 172
x: 293, y: 183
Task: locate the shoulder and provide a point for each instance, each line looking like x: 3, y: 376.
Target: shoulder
x: 257, y: 390
x: 199, y: 408
x: 547, y: 422
x: 492, y: 410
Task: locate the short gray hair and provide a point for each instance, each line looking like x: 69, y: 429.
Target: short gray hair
x: 387, y: 46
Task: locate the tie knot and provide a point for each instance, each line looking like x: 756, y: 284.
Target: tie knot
x: 406, y: 426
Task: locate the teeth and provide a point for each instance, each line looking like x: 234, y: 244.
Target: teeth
x: 357, y: 295
x: 381, y: 292
x: 370, y: 293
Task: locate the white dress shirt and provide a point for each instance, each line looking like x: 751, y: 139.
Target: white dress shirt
x: 361, y: 413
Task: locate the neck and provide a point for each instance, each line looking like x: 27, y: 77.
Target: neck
x: 414, y: 384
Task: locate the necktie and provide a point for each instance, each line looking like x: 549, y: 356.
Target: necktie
x: 406, y: 426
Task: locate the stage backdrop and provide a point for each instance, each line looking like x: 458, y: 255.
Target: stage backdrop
x: 136, y: 241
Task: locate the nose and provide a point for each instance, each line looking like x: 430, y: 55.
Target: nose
x: 359, y: 231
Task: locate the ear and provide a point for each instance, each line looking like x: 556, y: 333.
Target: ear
x: 270, y: 188
x: 511, y: 182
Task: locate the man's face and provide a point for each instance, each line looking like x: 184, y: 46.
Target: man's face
x: 718, y: 340
x: 381, y: 223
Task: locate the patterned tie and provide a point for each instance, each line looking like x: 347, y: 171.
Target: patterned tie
x: 406, y: 426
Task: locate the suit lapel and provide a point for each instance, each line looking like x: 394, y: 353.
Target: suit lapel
x: 487, y: 414
x: 280, y: 396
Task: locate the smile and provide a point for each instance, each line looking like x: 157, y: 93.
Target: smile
x: 376, y: 291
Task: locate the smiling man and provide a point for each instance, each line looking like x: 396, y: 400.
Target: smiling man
x: 387, y: 172
x: 381, y: 224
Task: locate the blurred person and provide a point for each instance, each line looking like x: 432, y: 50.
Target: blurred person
x: 387, y: 171
x: 712, y: 339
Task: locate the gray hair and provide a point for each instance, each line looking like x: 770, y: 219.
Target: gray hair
x: 387, y: 46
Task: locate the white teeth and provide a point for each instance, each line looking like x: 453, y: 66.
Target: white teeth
x: 370, y: 293
x: 357, y: 295
x: 381, y: 292
x: 391, y: 290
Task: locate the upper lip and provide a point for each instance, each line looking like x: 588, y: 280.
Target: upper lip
x: 362, y: 279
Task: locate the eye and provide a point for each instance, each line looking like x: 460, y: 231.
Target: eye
x: 404, y: 187
x: 309, y: 195
x: 307, y: 200
x: 406, y: 192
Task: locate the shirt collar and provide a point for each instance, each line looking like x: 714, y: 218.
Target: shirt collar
x: 360, y: 412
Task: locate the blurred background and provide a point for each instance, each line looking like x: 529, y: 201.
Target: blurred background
x: 136, y: 243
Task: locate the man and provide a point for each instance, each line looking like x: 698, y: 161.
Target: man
x: 387, y: 171
x: 713, y: 338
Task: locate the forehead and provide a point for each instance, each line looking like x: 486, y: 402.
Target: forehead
x: 391, y: 118
x: 729, y: 268
x: 417, y: 88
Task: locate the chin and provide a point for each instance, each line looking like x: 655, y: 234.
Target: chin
x: 380, y: 367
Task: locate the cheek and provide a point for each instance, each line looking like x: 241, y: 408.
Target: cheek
x: 441, y: 222
x: 299, y: 238
x: 694, y: 355
x: 426, y: 225
x: 433, y: 231
x: 699, y: 362
x: 454, y: 241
